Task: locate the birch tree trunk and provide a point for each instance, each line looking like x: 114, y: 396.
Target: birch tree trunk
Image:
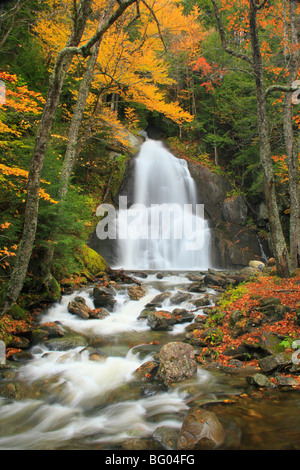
x: 292, y: 59
x: 277, y: 236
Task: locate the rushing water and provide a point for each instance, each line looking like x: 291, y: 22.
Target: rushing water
x: 72, y: 401
x: 165, y: 226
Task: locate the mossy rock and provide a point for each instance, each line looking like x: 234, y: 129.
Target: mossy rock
x: 93, y: 263
x: 18, y: 313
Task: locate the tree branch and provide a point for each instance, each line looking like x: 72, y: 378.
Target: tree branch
x: 156, y: 21
x: 221, y: 29
x: 286, y: 89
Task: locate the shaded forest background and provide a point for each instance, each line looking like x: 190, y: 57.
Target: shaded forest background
x: 187, y: 68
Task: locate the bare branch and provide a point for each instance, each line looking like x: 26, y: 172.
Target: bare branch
x: 156, y: 21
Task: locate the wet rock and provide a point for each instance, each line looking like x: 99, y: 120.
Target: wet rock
x: 46, y: 331
x: 176, y: 362
x: 69, y: 341
x: 99, y: 313
x: 159, y: 299
x: 136, y: 292
x: 145, y: 312
x: 146, y: 371
x: 166, y: 437
x: 161, y: 320
x: 104, y: 297
x: 260, y: 380
x: 182, y: 315
x: 204, y: 301
x: 274, y: 362
x: 195, y: 277
x: 10, y: 390
x: 284, y: 381
x: 197, y: 287
x: 180, y: 297
x: 200, y: 430
x: 79, y: 308
x: 144, y: 350
x: 19, y: 343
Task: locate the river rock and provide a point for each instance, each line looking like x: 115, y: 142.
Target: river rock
x: 182, y: 315
x: 159, y: 299
x: 176, y: 362
x: 201, y: 430
x: 69, y: 341
x: 161, y: 320
x: 99, y: 313
x: 136, y: 292
x: 260, y: 380
x: 104, y: 297
x: 166, y: 436
x: 46, y: 331
x: 79, y: 308
x: 275, y: 361
x: 197, y: 287
x: 180, y: 297
x: 146, y: 371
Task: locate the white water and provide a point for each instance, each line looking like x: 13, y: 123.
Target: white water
x: 178, y: 240
x: 75, y: 402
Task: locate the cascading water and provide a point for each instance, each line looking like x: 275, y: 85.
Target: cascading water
x: 165, y: 227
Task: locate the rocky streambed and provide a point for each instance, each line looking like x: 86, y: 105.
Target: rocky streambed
x: 155, y: 361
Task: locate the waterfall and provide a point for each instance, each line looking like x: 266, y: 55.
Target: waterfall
x: 165, y: 227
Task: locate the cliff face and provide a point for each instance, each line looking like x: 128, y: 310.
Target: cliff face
x: 234, y: 243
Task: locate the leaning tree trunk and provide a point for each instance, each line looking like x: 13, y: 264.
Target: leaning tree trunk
x: 277, y: 236
x: 61, y: 67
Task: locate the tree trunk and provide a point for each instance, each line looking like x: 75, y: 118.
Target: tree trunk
x: 277, y: 236
x: 61, y: 67
x: 292, y: 60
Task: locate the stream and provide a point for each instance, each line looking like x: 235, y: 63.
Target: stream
x: 70, y: 401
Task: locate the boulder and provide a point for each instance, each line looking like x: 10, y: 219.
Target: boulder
x: 104, y: 297
x: 182, y: 315
x: 69, y: 341
x: 180, y: 297
x: 99, y: 313
x: 260, y: 380
x: 136, y: 292
x: 176, y: 362
x: 161, y: 320
x: 159, y: 299
x: 201, y: 430
x: 256, y: 264
x: 274, y: 362
x: 270, y: 343
x: 79, y: 308
x: 166, y: 436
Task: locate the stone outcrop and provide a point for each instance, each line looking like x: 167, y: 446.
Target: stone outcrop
x: 234, y: 244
